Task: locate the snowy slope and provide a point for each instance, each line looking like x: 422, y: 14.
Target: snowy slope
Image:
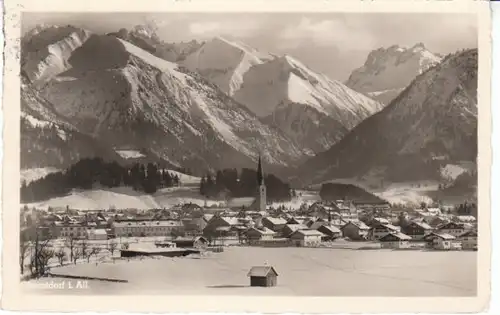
x: 431, y: 124
x: 46, y: 50
x: 129, y: 98
x: 287, y: 80
x: 224, y: 62
x: 387, y: 71
x: 125, y: 198
x: 310, y: 108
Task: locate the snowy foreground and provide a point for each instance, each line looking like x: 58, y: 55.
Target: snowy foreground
x: 302, y: 272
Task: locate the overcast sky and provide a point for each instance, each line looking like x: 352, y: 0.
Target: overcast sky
x: 332, y: 43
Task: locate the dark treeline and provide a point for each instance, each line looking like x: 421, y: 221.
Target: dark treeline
x: 228, y: 183
x: 86, y: 173
x: 340, y: 191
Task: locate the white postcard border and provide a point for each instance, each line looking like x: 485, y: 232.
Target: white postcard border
x: 13, y: 299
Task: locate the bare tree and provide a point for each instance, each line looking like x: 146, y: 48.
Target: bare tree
x: 85, y: 250
x: 112, y: 247
x: 24, y: 247
x: 70, y: 244
x: 40, y: 258
x: 61, y: 256
x: 125, y: 245
x: 77, y: 253
x: 44, y: 257
x: 95, y: 251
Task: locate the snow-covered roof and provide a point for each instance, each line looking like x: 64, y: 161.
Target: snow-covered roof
x: 468, y: 233
x: 275, y: 221
x: 398, y: 235
x: 466, y: 218
x: 261, y: 271
x: 423, y: 225
x: 97, y: 231
x: 443, y: 236
x: 309, y: 232
x: 263, y: 231
x: 295, y: 227
x: 169, y: 223
x: 331, y: 228
x: 359, y: 224
x: 231, y: 220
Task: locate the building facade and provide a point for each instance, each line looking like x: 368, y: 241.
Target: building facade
x: 395, y: 240
x: 355, y: 231
x: 306, y: 238
x: 146, y: 228
x: 469, y: 240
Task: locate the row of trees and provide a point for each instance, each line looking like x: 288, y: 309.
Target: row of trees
x: 90, y: 171
x: 40, y: 253
x: 230, y: 183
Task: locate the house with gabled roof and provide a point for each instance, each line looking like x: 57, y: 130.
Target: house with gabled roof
x: 220, y: 226
x: 417, y: 229
x: 469, y: 240
x: 275, y: 224
x: 331, y: 232
x: 454, y: 228
x: 395, y: 240
x: 306, y: 238
x: 290, y: 228
x: 355, y: 230
x: 254, y: 234
x: 263, y: 276
x: 441, y: 241
x: 379, y: 230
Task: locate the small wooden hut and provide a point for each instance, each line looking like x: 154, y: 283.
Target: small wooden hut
x: 263, y: 276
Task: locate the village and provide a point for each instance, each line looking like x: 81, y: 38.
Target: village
x: 59, y: 240
x: 320, y: 225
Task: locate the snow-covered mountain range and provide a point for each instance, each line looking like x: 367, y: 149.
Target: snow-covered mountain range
x: 131, y: 96
x: 387, y: 71
x: 145, y: 37
x: 220, y: 104
x: 310, y: 108
x: 45, y: 51
x: 118, y: 95
x: 431, y: 124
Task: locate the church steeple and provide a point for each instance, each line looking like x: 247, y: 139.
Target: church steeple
x: 260, y: 173
x: 261, y: 197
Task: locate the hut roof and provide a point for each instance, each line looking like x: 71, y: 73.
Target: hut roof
x: 261, y: 271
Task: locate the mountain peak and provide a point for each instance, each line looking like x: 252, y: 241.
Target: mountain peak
x: 419, y: 46
x: 389, y: 70
x: 409, y: 137
x: 146, y: 31
x: 224, y: 62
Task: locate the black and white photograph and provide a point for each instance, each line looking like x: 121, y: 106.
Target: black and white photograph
x: 273, y: 154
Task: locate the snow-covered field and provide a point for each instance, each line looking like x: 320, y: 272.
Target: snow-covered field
x: 302, y: 272
x: 125, y: 198
x: 186, y: 179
